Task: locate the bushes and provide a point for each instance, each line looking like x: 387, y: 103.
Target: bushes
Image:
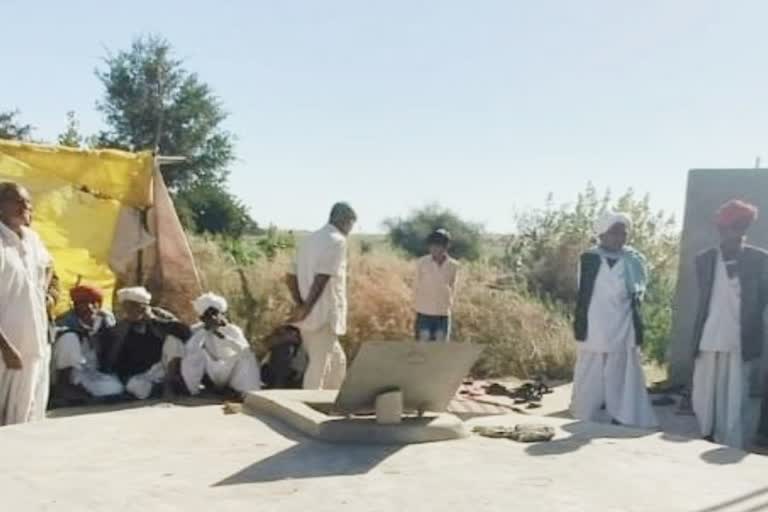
x: 206, y: 208
x: 517, y: 303
x: 546, y: 248
x: 522, y: 336
x: 410, y: 234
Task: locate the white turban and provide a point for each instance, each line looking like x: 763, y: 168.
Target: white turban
x: 609, y: 219
x: 207, y: 301
x: 137, y: 294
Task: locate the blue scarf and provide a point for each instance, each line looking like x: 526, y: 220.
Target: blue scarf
x: 635, y: 268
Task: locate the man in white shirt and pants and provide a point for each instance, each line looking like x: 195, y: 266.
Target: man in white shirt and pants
x: 25, y: 271
x: 318, y: 285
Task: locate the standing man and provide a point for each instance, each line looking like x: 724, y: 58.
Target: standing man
x: 608, y: 325
x: 436, y: 275
x: 318, y: 285
x: 729, y: 329
x: 25, y: 270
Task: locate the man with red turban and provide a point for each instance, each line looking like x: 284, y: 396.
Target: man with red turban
x: 729, y: 329
x: 76, y: 351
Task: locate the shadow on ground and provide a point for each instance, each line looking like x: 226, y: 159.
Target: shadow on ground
x: 66, y: 412
x: 582, y: 434
x: 724, y: 456
x: 309, y: 458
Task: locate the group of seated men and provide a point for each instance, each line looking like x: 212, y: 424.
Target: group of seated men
x: 147, y: 352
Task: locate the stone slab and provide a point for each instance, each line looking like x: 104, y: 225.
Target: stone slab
x: 428, y: 374
x: 196, y: 459
x: 306, y: 411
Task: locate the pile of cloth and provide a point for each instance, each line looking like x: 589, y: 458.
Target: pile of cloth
x: 523, y: 433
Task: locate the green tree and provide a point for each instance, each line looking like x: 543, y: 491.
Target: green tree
x: 12, y: 128
x: 209, y: 208
x: 71, y: 136
x: 152, y: 102
x: 544, y: 254
x: 410, y: 233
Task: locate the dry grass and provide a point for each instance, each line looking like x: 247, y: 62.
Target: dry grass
x: 523, y: 338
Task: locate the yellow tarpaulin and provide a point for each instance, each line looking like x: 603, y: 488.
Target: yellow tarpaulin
x: 77, y: 197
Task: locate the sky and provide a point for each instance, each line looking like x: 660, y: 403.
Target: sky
x: 483, y: 107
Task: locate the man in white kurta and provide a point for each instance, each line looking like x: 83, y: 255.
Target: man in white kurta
x: 24, y: 272
x: 218, y: 349
x: 77, y: 347
x: 728, y: 355
x: 721, y: 381
x: 319, y: 288
x: 608, y: 377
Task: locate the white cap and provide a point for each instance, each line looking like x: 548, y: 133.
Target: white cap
x: 207, y: 301
x: 609, y: 219
x: 137, y: 294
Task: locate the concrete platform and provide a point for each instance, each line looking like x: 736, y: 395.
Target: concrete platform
x: 170, y: 458
x: 309, y: 412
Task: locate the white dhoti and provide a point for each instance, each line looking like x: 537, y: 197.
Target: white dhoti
x: 613, y: 380
x: 228, y: 360
x: 608, y: 382
x: 327, y: 361
x: 721, y: 398
x: 70, y: 352
x: 239, y: 372
x: 24, y: 393
x: 141, y: 385
x: 721, y: 378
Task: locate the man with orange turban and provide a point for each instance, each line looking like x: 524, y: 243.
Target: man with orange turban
x: 77, y: 348
x: 729, y: 329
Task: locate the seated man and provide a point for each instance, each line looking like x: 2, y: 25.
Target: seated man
x: 286, y: 360
x: 218, y: 350
x: 145, y: 347
x: 75, y: 352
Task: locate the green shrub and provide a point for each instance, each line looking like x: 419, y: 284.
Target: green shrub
x: 548, y: 243
x: 410, y: 234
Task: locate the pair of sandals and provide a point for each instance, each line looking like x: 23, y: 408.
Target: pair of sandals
x: 530, y: 393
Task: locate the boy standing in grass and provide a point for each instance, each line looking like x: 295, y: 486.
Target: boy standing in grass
x: 436, y: 276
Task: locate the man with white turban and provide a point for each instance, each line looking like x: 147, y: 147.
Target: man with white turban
x: 145, y: 347
x: 729, y: 331
x: 609, y: 328
x: 218, y: 349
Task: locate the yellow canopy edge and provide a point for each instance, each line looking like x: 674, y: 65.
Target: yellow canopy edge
x: 119, y: 175
x: 77, y: 197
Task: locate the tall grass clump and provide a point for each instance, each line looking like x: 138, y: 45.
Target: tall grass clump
x: 521, y: 335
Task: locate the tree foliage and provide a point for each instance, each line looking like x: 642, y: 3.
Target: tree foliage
x: 544, y: 253
x: 208, y: 208
x: 152, y: 102
x: 12, y: 128
x: 410, y: 233
x: 71, y: 135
